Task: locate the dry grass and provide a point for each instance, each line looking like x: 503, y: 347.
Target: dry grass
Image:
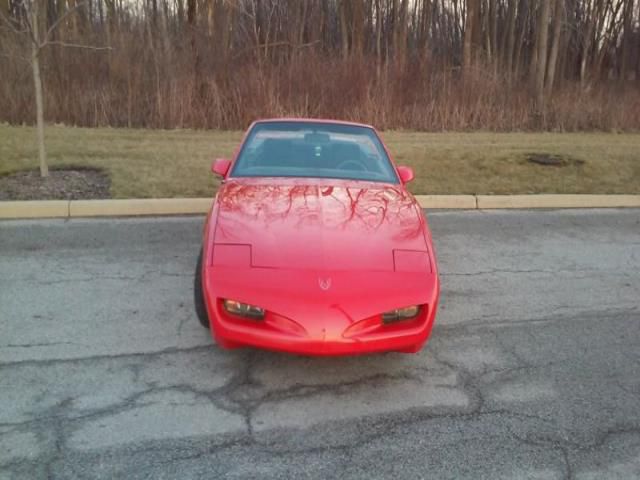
x: 487, y: 163
x: 175, y: 163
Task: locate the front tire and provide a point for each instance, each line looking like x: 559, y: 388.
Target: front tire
x: 198, y: 295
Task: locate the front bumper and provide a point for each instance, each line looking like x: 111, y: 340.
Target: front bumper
x: 341, y: 323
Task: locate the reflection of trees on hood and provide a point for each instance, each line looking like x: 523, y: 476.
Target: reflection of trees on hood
x: 335, y: 207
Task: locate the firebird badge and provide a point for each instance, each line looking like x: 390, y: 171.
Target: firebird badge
x: 325, y: 283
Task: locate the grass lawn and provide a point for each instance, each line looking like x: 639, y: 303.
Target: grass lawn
x: 175, y: 163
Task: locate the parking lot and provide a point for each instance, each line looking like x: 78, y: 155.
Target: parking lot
x: 532, y: 371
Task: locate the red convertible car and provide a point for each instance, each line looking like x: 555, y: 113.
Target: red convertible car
x: 314, y: 246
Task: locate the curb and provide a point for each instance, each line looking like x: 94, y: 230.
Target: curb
x: 195, y: 206
x: 459, y: 202
x: 557, y: 201
x: 138, y: 206
x: 35, y: 209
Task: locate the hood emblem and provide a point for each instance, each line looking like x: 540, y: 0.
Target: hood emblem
x: 325, y: 283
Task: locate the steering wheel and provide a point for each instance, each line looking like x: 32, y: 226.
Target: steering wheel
x: 350, y: 164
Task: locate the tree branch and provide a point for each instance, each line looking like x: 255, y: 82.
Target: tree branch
x: 14, y: 56
x: 73, y: 45
x: 11, y: 24
x: 27, y: 18
x: 62, y: 17
x: 283, y: 43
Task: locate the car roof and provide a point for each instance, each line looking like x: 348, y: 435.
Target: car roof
x: 313, y: 120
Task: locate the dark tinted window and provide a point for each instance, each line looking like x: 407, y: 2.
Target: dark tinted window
x: 321, y: 150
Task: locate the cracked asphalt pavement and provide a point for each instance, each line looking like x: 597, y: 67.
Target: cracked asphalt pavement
x: 532, y: 371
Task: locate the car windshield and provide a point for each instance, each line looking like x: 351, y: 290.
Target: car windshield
x: 316, y: 150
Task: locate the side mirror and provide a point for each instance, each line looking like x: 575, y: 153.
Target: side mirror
x: 406, y: 174
x: 220, y: 166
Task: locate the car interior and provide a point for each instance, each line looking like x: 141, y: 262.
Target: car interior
x: 291, y: 153
x: 314, y: 153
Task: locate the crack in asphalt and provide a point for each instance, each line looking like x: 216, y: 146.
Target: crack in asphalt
x: 54, y: 361
x: 32, y: 279
x: 38, y: 344
x: 230, y: 397
x: 477, y: 371
x: 242, y: 394
x: 518, y: 271
x: 60, y: 422
x: 479, y: 323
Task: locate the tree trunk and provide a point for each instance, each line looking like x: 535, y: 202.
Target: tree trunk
x: 524, y: 7
x: 536, y: 10
x: 468, y: 35
x: 510, y: 34
x: 191, y: 20
x: 627, y: 16
x: 638, y: 53
x: 180, y: 12
x: 394, y: 28
x: 378, y: 39
x: 37, y: 82
x: 476, y: 40
x: 493, y: 26
x: 344, y: 33
x: 425, y: 22
x: 211, y: 19
x: 226, y: 18
x: 401, y: 46
x: 357, y: 27
x: 302, y: 21
x: 586, y: 46
x: 543, y: 34
x: 558, y: 19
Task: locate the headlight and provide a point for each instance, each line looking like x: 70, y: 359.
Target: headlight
x: 405, y: 313
x: 243, y: 309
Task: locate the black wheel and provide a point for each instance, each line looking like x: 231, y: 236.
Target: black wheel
x: 198, y: 296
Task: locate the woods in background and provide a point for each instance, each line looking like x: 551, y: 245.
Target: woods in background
x: 419, y: 64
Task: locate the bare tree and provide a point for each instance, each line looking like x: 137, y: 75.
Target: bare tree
x: 30, y: 28
x: 558, y: 20
x: 626, y: 39
x: 469, y: 26
x: 542, y: 52
x: 219, y: 63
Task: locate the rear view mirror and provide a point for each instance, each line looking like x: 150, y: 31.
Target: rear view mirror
x: 220, y: 166
x: 317, y: 137
x: 406, y: 174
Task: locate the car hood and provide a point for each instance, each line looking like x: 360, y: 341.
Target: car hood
x: 322, y: 224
